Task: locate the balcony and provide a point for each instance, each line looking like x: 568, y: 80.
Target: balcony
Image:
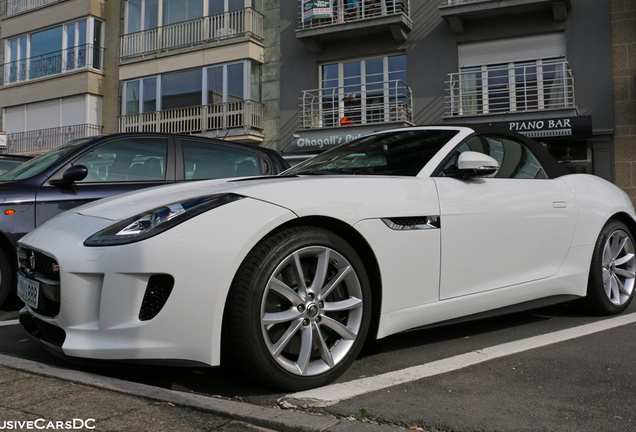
x: 343, y: 20
x: 243, y: 117
x: 39, y: 141
x: 59, y: 62
x: 12, y: 7
x: 214, y: 28
x: 505, y: 90
x: 456, y: 12
x: 370, y: 104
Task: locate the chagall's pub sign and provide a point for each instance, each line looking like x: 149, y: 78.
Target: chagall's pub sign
x: 316, y: 9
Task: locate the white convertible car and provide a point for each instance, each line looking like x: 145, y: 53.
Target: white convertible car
x: 287, y: 276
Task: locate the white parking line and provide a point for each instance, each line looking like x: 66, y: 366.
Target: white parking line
x: 9, y: 323
x: 332, y: 394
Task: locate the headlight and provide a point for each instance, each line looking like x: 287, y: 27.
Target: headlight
x: 158, y: 220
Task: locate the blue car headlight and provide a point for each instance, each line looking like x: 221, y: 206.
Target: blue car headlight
x: 157, y: 220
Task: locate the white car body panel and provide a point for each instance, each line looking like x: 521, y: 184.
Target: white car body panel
x: 542, y: 237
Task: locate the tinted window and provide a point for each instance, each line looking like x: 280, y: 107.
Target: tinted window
x: 209, y: 161
x: 515, y: 159
x: 133, y: 159
x: 393, y: 153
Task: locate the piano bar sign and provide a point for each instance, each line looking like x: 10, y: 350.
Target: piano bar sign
x: 577, y: 127
x: 316, y: 9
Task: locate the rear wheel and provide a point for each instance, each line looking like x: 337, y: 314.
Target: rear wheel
x: 613, y: 272
x: 299, y: 309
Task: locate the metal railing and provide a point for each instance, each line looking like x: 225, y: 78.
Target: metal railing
x: 229, y: 115
x: 210, y: 28
x: 504, y: 89
x: 12, y: 7
x: 46, y: 139
x: 379, y: 102
x: 342, y: 11
x: 458, y: 2
x: 67, y: 60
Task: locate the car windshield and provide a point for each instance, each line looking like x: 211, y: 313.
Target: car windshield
x: 401, y: 153
x: 38, y: 164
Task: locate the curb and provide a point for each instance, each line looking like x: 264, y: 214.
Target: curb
x: 266, y: 417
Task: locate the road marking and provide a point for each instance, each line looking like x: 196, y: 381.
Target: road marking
x: 9, y: 322
x: 332, y: 394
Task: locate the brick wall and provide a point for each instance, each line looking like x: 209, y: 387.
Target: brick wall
x: 623, y: 28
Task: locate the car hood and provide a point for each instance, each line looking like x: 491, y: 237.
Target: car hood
x: 349, y: 198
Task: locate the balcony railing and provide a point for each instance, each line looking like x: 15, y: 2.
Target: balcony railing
x: 12, y: 7
x: 197, y: 31
x: 343, y: 11
x: 58, y: 62
x: 46, y: 139
x: 492, y: 90
x: 245, y: 115
x: 380, y: 102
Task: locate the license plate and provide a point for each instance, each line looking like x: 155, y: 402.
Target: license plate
x: 28, y: 291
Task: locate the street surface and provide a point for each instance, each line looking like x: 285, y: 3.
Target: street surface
x: 478, y: 376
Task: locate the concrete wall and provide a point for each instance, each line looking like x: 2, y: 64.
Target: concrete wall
x: 623, y: 24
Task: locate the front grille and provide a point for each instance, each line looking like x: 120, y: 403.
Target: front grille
x: 157, y: 292
x: 45, y: 270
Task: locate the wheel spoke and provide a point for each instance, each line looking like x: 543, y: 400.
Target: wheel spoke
x: 333, y: 283
x: 284, y: 340
x: 285, y: 290
x: 307, y: 337
x: 625, y: 259
x: 334, y: 325
x: 614, y: 294
x: 300, y: 276
x: 280, y: 317
x: 625, y: 273
x: 322, y: 267
x: 343, y: 305
x: 325, y: 354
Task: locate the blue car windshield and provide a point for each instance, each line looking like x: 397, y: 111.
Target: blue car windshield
x: 38, y: 164
x: 397, y: 153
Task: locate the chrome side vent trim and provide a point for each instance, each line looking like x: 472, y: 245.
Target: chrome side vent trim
x: 412, y: 223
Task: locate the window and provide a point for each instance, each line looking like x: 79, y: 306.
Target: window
x: 213, y: 85
x: 208, y: 161
x: 514, y: 158
x: 54, y: 50
x: 141, y: 159
x: 148, y: 14
x: 364, y: 91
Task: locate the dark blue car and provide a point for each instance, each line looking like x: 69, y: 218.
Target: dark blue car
x: 90, y: 168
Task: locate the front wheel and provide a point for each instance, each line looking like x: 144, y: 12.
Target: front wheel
x: 613, y: 272
x: 299, y: 309
x: 6, y: 277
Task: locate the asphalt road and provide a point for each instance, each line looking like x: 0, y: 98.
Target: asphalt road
x: 585, y: 383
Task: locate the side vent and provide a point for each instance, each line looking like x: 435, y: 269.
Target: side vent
x: 412, y: 223
x: 157, y: 293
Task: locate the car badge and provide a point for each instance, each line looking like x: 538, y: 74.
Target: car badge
x: 56, y: 268
x: 32, y: 261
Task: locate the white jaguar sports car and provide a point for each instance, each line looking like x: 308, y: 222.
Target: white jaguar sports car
x: 288, y: 275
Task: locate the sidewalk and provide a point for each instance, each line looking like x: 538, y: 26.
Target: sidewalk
x: 35, y: 396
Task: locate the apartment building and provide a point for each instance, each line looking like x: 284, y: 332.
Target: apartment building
x: 82, y: 67
x: 52, y: 77
x: 540, y: 67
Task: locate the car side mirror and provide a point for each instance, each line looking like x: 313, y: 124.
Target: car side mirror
x: 473, y: 164
x: 73, y: 174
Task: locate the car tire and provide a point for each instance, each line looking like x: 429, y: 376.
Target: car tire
x: 295, y: 335
x: 6, y: 277
x: 612, y: 274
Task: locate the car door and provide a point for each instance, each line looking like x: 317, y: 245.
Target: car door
x: 502, y: 231
x: 118, y: 166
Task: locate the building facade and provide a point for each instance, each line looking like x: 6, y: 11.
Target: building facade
x: 534, y: 66
x: 623, y: 25
x: 82, y: 67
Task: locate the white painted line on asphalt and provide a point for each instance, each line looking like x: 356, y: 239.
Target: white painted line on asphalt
x: 332, y: 394
x: 9, y: 323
